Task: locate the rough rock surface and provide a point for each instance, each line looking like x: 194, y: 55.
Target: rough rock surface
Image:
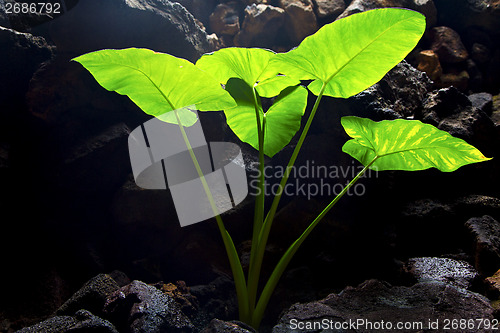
x: 329, y: 9
x: 483, y: 101
x: 486, y: 232
x: 220, y: 326
x: 260, y: 26
x: 428, y: 62
x: 425, y: 7
x: 447, y: 44
x: 83, y: 321
x: 22, y: 54
x: 375, y: 301
x: 224, y: 20
x: 300, y: 19
x: 162, y: 26
x: 456, y: 272
x: 200, y: 9
x: 139, y: 308
x: 91, y: 296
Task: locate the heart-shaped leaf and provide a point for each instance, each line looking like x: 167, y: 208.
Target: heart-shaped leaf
x: 248, y: 64
x: 408, y: 145
x: 353, y: 53
x: 157, y: 82
x: 282, y: 118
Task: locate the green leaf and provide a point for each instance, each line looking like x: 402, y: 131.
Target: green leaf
x: 282, y: 118
x: 353, y: 53
x: 247, y: 64
x: 408, y: 145
x: 157, y: 82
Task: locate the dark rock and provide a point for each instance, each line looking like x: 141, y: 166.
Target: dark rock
x: 458, y: 273
x: 480, y: 53
x: 486, y: 232
x: 120, y: 278
x: 99, y: 163
x: 220, y: 326
x: 398, y: 95
x: 329, y: 9
x: 141, y: 308
x: 91, y: 296
x: 425, y: 7
x: 459, y: 80
x: 477, y: 205
x: 300, y: 20
x: 462, y: 15
x: 181, y: 294
x: 483, y: 101
x: 200, y: 9
x: 476, y: 77
x: 375, y: 301
x: 22, y: 54
x: 495, y: 114
x: 82, y: 321
x: 447, y: 44
x: 428, y: 62
x: 260, y: 26
x: 452, y: 111
x: 225, y: 20
x: 162, y: 26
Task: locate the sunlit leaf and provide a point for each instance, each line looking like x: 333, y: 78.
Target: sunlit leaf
x: 282, y: 118
x: 157, y: 82
x: 406, y: 145
x: 353, y: 53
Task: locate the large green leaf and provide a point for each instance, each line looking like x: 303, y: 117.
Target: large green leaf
x: 406, y: 145
x: 282, y: 118
x: 248, y: 64
x: 353, y: 53
x: 157, y: 82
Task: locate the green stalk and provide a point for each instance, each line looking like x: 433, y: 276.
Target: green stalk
x: 285, y: 259
x: 253, y: 271
x: 266, y: 228
x: 234, y: 260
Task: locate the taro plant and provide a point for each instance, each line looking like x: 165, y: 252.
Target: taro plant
x: 340, y: 60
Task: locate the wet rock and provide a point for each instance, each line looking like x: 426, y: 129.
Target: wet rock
x: 458, y: 80
x: 181, y: 294
x: 329, y: 9
x: 82, y: 321
x: 483, y: 101
x: 425, y: 7
x: 300, y: 20
x: 428, y: 62
x: 376, y: 301
x: 486, y: 231
x: 224, y: 20
x: 91, y: 296
x: 22, y: 54
x: 162, y: 26
x: 456, y: 272
x: 141, y: 308
x: 260, y: 26
x: 447, y: 44
x: 220, y: 326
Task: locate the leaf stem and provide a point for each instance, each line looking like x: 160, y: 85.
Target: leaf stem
x: 234, y: 260
x: 266, y: 227
x: 254, y: 271
x: 288, y: 255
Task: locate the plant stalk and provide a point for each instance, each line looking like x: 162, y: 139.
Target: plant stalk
x: 234, y: 260
x: 254, y: 271
x: 288, y: 255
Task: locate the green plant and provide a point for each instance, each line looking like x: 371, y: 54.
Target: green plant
x: 341, y: 60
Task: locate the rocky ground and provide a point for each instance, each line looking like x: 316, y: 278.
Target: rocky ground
x: 84, y: 249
